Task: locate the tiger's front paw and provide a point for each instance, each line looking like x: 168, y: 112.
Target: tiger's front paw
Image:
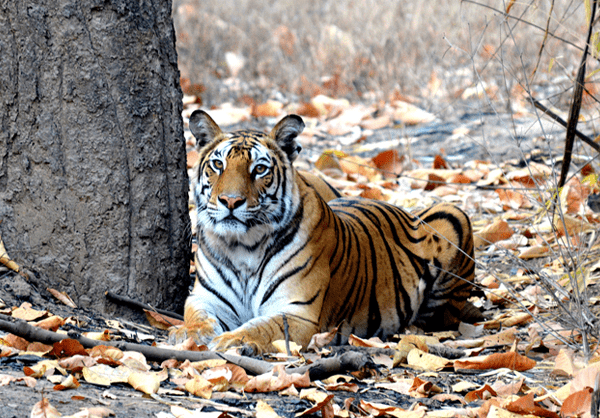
x: 248, y: 344
x: 201, y: 332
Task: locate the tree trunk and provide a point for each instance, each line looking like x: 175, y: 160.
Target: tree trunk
x: 93, y: 182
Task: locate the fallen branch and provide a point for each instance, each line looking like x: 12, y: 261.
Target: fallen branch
x: 320, y: 369
x: 347, y: 362
x: 30, y: 333
x: 140, y: 305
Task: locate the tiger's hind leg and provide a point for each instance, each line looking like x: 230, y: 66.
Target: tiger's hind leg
x: 446, y: 245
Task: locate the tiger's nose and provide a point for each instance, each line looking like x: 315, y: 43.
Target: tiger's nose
x: 232, y: 202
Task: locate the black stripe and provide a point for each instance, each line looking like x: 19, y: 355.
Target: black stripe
x: 274, y: 285
x: 308, y: 302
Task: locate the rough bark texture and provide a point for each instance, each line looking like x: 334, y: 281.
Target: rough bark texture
x: 93, y: 183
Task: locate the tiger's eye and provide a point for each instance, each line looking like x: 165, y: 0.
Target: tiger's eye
x: 260, y: 169
x: 217, y: 164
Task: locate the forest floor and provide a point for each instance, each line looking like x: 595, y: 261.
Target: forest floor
x: 527, y: 358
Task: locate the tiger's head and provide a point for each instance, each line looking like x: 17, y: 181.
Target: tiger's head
x: 244, y: 187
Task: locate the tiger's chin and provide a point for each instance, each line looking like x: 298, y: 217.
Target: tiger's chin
x: 240, y: 233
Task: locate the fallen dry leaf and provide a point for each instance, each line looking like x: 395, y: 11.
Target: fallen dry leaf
x: 276, y: 380
x: 66, y: 348
x: 497, y: 231
x: 578, y: 404
x: 563, y: 364
x: 199, y: 386
x: 6, y: 260
x: 70, y: 382
x: 43, y: 409
x: 426, y: 361
x: 511, y: 360
x: 51, y: 324
x: 526, y: 405
x: 27, y: 313
x: 320, y: 340
x: 482, y: 393
x: 62, y: 297
x: 161, y: 321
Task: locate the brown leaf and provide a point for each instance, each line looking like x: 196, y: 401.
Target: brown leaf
x: 161, y: 321
x: 509, y: 6
x: 439, y: 162
x: 525, y: 405
x: 76, y: 363
x: 145, y: 382
x: 376, y: 123
x: 511, y: 360
x: 577, y: 404
x: 62, y: 297
x: 6, y: 260
x: 460, y: 179
x: 52, y: 323
x: 511, y: 199
x: 40, y: 348
x: 264, y: 410
x: 286, y: 39
x: 411, y: 114
x: 371, y: 193
x: 28, y: 314
x: 16, y: 342
x: 106, y: 351
x: 70, y: 382
x: 43, y: 409
x: 324, y: 406
x: 482, y: 393
x: 308, y: 110
x: 320, y: 340
x: 426, y: 361
x: 433, y: 181
x: 390, y: 162
x: 499, y: 230
x: 563, y: 364
x: 199, y: 386
x: 276, y: 380
x: 66, y: 348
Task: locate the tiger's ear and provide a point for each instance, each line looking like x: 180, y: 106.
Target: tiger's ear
x: 203, y: 127
x: 285, y: 134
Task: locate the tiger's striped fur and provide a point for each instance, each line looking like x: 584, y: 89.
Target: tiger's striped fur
x: 277, y: 245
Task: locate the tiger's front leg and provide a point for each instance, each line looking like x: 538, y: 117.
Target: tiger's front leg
x: 198, y: 325
x: 259, y: 333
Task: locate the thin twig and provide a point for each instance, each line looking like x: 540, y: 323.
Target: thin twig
x: 562, y: 122
x: 286, y: 333
x: 140, y: 305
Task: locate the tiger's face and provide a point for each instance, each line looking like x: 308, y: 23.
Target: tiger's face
x: 244, y: 186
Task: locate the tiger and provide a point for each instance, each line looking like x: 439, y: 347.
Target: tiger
x: 282, y: 255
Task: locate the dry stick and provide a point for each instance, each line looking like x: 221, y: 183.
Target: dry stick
x: 30, y: 333
x: 562, y: 122
x: 575, y: 108
x: 320, y: 369
x: 286, y: 333
x: 140, y: 305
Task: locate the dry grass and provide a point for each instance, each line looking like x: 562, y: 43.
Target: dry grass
x: 431, y: 50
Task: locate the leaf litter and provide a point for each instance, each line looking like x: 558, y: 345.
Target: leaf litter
x: 520, y: 361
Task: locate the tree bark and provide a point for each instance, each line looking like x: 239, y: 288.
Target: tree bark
x: 93, y: 182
